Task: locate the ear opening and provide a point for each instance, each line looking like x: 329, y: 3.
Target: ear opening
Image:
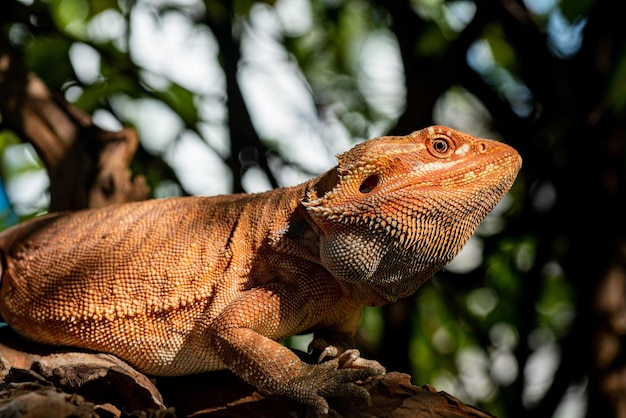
x: 369, y: 183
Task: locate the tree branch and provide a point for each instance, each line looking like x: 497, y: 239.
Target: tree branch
x: 87, y: 165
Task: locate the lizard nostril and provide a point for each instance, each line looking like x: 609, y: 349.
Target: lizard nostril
x: 481, y: 147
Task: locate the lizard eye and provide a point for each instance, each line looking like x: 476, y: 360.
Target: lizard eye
x: 440, y: 146
x: 369, y: 183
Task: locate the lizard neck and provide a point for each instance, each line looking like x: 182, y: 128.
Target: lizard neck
x: 294, y: 232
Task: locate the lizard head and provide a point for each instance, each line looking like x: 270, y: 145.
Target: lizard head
x: 396, y: 209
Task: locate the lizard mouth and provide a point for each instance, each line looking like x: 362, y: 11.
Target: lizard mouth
x: 491, y: 168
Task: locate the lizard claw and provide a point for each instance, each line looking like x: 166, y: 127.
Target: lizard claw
x: 350, y: 359
x: 336, y: 346
x: 329, y: 351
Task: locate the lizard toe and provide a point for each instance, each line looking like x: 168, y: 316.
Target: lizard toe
x: 328, y: 351
x: 321, y: 381
x: 351, y: 359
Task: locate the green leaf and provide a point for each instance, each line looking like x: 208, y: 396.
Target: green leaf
x: 100, y: 6
x: 573, y: 10
x: 48, y: 58
x: 502, y: 52
x: 617, y: 88
x: 71, y: 16
x: 181, y: 101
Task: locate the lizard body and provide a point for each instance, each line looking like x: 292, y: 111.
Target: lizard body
x: 185, y: 285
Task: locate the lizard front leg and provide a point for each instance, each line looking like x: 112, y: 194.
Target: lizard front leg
x: 242, y: 337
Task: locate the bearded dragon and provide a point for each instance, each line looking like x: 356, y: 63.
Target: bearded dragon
x: 192, y: 284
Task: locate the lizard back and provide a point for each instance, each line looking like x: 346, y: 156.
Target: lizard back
x: 157, y: 271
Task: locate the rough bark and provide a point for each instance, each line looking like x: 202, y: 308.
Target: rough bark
x: 38, y: 381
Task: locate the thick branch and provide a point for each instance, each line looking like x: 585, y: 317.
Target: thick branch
x: 33, y: 375
x: 87, y: 165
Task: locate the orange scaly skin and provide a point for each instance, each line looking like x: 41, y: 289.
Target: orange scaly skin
x: 192, y: 284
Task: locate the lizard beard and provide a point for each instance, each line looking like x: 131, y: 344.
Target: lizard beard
x: 395, y: 260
